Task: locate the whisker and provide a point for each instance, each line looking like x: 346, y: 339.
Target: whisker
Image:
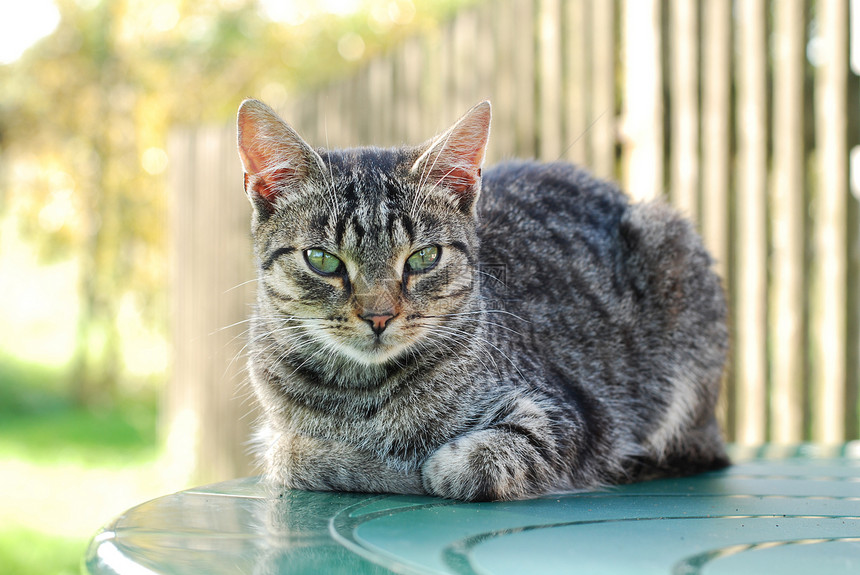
x: 502, y: 311
x: 487, y: 342
x: 492, y: 277
x: 464, y: 336
x: 237, y: 286
x: 582, y: 135
x: 479, y: 320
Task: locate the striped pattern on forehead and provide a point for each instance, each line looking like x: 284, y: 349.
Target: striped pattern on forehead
x: 373, y: 228
x: 372, y: 211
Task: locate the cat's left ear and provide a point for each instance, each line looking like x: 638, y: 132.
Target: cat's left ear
x: 454, y: 159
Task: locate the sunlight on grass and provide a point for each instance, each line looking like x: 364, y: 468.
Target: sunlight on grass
x: 50, y: 508
x: 25, y: 552
x: 66, y: 471
x: 49, y: 512
x: 72, y: 500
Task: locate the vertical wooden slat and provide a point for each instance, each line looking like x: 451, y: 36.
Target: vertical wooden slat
x: 236, y: 290
x: 577, y: 81
x: 465, y: 91
x: 432, y: 84
x: 206, y: 419
x: 345, y: 134
x: 306, y: 114
x: 205, y: 301
x: 222, y: 264
x: 485, y: 61
x: 328, y: 118
x: 523, y: 39
x: 350, y: 93
x: 503, y: 133
x: 716, y: 115
x: 345, y: 94
x: 381, y: 98
x: 549, y: 57
x: 684, y: 111
x: 355, y: 92
x: 715, y: 72
x: 407, y: 89
x: 788, y: 211
x: 399, y: 96
x: 829, y: 263
x: 751, y: 284
x: 179, y: 423
x: 448, y: 108
x: 852, y: 395
x: 602, y: 120
x: 643, y: 116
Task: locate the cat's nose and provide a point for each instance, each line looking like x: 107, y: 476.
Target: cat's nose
x: 378, y: 320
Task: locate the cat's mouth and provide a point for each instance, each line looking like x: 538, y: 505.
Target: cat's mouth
x: 374, y: 350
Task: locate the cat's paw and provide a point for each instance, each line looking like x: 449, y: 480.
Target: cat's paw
x: 485, y: 465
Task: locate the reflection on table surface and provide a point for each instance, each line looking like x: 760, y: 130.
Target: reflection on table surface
x: 776, y: 510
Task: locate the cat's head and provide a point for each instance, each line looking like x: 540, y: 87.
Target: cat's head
x: 364, y: 253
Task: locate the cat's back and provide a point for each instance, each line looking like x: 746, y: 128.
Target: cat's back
x: 570, y: 253
x: 518, y: 192
x: 548, y: 227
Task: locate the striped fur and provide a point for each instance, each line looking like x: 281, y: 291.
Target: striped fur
x: 563, y: 339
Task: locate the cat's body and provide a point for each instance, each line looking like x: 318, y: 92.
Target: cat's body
x: 412, y: 337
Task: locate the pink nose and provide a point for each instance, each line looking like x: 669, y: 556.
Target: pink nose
x: 378, y: 321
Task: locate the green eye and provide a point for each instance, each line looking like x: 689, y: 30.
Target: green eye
x: 322, y: 262
x: 423, y: 259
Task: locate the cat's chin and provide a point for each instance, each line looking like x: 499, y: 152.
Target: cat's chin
x: 374, y: 355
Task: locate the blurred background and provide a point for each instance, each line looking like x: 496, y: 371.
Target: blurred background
x: 125, y: 268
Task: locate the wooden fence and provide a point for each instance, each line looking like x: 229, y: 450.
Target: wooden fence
x: 741, y: 114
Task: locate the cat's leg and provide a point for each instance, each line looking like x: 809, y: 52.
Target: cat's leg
x: 513, y: 459
x: 303, y: 462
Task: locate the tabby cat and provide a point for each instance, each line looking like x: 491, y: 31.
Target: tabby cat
x: 425, y: 328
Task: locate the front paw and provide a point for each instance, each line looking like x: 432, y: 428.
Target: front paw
x: 485, y: 465
x: 302, y: 462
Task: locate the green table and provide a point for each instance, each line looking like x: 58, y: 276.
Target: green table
x: 775, y: 511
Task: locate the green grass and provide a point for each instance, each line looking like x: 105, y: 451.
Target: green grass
x: 26, y: 552
x: 44, y: 437
x: 40, y: 423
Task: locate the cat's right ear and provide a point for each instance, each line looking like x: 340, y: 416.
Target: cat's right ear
x: 453, y: 160
x: 275, y: 158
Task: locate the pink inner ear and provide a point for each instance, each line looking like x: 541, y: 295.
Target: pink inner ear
x: 458, y: 166
x: 269, y: 184
x: 273, y: 155
x: 454, y: 159
x: 459, y: 180
x: 249, y: 153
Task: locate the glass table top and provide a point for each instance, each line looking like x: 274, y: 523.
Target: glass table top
x: 776, y: 510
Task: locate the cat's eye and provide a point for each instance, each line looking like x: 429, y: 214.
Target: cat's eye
x: 423, y: 259
x: 323, y: 262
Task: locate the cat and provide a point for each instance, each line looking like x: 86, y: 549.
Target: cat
x: 423, y: 327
